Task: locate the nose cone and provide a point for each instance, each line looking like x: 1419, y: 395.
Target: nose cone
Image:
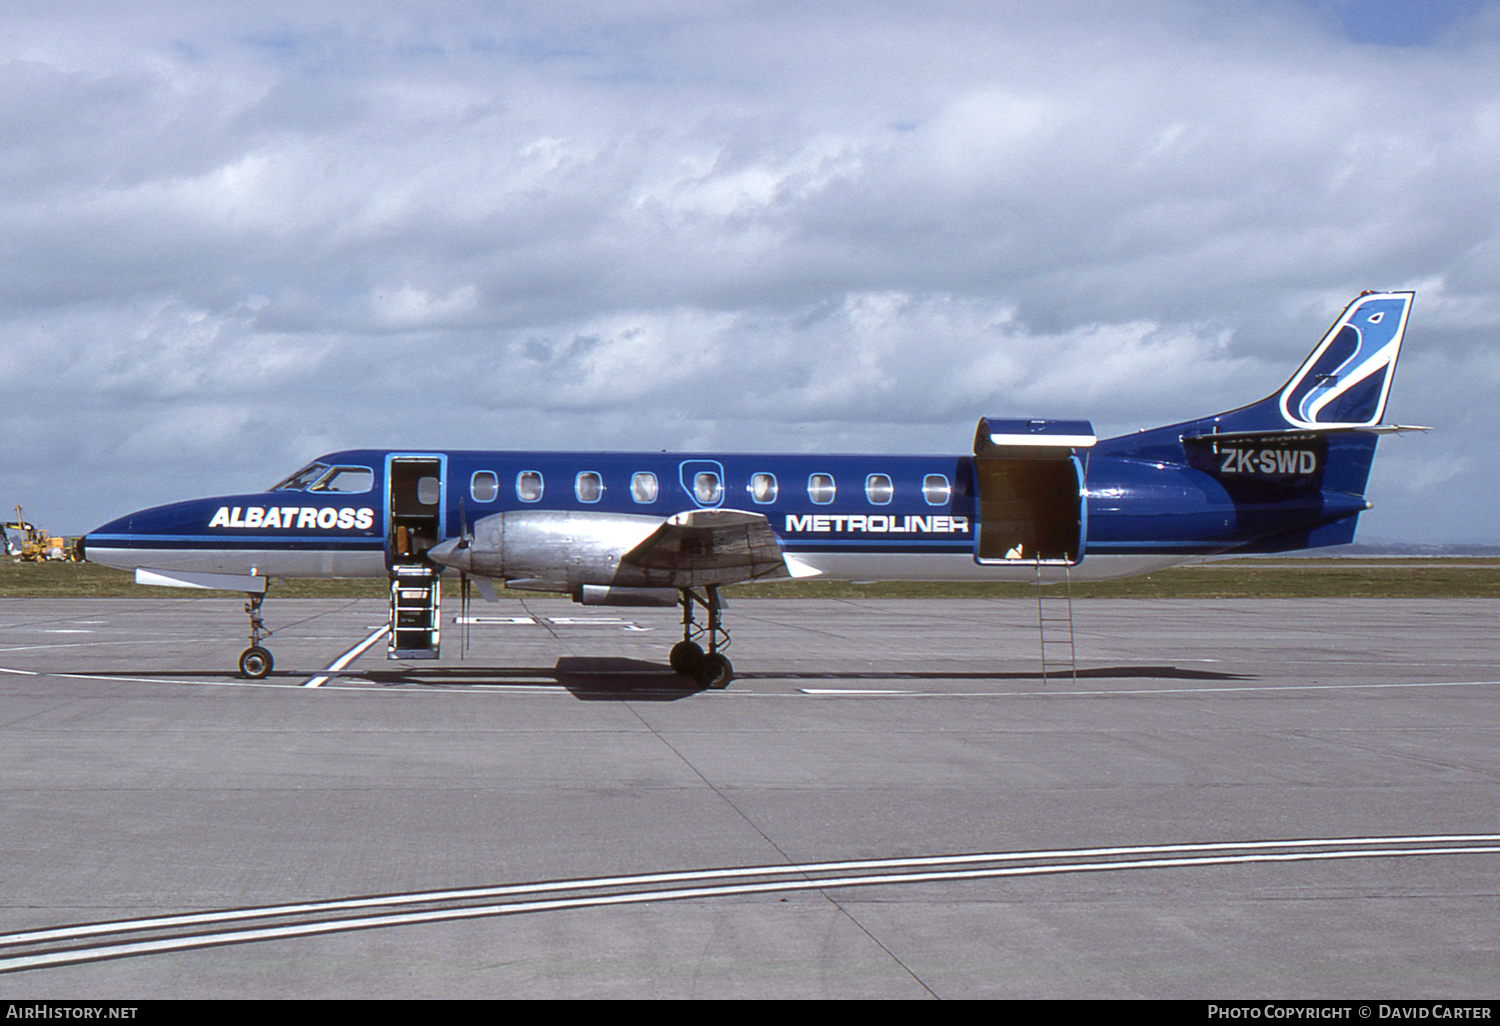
x: 144, y: 537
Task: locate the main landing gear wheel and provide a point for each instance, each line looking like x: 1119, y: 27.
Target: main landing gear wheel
x: 716, y: 672
x: 256, y: 662
x: 710, y: 669
x: 686, y: 657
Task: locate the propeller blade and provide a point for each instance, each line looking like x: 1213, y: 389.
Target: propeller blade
x: 463, y: 612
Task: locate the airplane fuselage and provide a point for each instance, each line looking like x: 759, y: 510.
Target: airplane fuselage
x: 842, y: 517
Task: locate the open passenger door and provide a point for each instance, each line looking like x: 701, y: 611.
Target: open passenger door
x: 415, y: 504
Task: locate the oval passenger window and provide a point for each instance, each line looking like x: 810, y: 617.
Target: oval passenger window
x: 529, y: 486
x: 484, y: 486
x: 588, y: 486
x: 706, y: 487
x: 763, y: 487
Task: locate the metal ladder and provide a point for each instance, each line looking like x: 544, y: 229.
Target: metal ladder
x: 416, y: 604
x: 1054, y: 622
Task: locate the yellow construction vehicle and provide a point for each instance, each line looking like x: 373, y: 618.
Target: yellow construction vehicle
x: 31, y: 544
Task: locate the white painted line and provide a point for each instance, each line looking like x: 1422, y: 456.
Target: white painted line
x: 1202, y: 692
x: 368, y: 913
x: 1480, y: 843
x: 347, y: 658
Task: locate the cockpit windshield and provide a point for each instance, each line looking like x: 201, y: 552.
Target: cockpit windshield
x: 302, y: 478
x: 344, y: 479
x: 320, y: 477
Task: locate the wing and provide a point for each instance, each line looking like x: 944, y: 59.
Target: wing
x: 711, y: 546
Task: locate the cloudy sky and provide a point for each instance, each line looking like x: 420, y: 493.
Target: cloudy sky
x: 235, y: 236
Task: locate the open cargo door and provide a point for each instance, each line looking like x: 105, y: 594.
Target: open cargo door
x: 1030, y: 476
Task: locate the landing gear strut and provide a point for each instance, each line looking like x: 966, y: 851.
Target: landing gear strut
x: 711, y: 669
x: 256, y: 662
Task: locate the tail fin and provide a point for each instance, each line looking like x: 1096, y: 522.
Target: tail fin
x: 1314, y: 440
x: 1342, y: 386
x: 1290, y: 471
x: 1346, y: 380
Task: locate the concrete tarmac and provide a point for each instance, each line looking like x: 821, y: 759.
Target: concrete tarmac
x: 1235, y: 799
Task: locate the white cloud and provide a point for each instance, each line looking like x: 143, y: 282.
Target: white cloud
x: 671, y: 224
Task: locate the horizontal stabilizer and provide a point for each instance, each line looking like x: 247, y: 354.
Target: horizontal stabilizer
x: 212, y: 582
x: 1299, y: 434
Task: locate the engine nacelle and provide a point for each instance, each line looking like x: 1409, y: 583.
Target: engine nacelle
x: 604, y: 595
x: 553, y: 550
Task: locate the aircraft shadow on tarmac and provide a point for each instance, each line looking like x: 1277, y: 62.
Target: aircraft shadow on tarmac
x: 617, y: 679
x: 607, y: 679
x: 588, y: 679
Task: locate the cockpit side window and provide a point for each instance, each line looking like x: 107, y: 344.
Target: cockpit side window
x: 302, y: 478
x: 345, y: 479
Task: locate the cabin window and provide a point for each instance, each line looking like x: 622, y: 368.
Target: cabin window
x: 529, y: 486
x: 763, y: 488
x: 429, y: 491
x: 820, y: 489
x: 643, y: 486
x: 484, y: 486
x: 879, y: 490
x: 707, y: 487
x: 588, y: 486
x: 935, y: 490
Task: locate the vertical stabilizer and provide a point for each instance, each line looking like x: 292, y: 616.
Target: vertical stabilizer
x: 1346, y: 380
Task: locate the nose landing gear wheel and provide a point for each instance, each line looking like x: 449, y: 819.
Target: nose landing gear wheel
x: 256, y: 662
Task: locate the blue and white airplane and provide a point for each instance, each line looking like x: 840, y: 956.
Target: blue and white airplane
x: 1036, y: 499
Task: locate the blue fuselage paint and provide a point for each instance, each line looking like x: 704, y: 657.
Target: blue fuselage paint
x: 1285, y: 473
x: 887, y: 515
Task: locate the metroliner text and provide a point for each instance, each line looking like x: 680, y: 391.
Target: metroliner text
x: 835, y: 523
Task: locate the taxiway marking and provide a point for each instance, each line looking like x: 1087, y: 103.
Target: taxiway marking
x: 36, y: 949
x: 1203, y: 691
x: 347, y: 658
x: 557, y: 621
